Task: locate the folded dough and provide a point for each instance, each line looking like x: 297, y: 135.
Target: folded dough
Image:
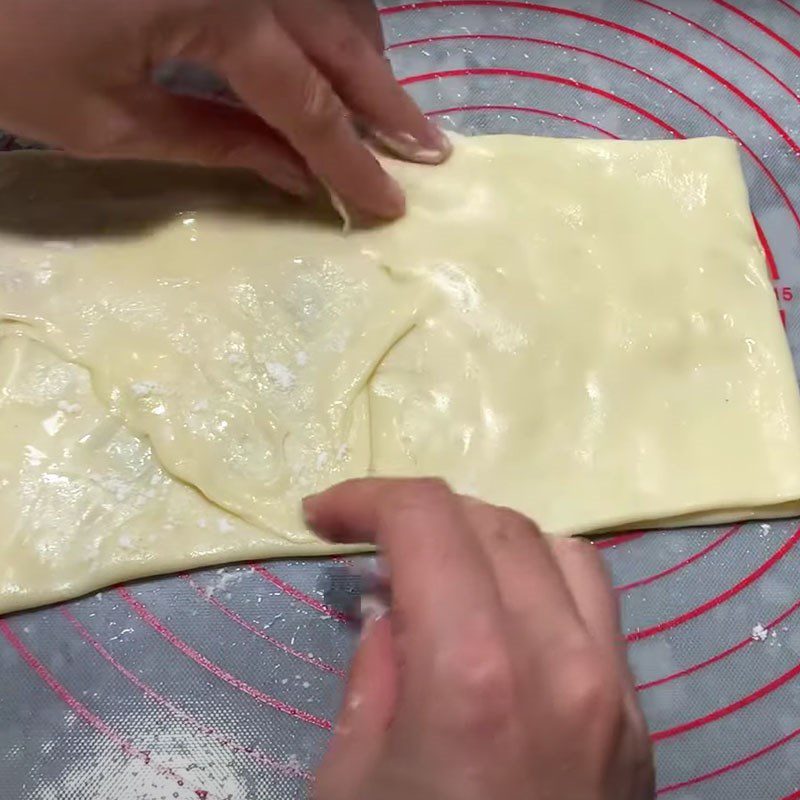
x: 584, y: 331
x: 84, y: 502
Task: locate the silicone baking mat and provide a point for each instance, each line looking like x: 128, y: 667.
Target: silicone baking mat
x: 222, y: 684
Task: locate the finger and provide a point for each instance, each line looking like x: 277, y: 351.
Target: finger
x: 366, y: 17
x: 590, y: 585
x: 364, y: 80
x: 366, y: 713
x: 534, y: 594
x: 443, y: 594
x: 154, y: 124
x: 585, y: 574
x: 272, y: 76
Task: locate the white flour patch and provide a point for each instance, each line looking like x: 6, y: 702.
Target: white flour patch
x: 759, y: 633
x: 225, y: 578
x: 280, y: 374
x: 177, y: 755
x: 225, y: 525
x: 69, y: 408
x: 34, y: 456
x: 146, y: 388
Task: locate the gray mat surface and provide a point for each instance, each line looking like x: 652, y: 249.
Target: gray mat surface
x: 222, y: 685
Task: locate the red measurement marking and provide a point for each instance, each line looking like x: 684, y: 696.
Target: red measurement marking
x: 599, y: 21
x: 729, y: 767
x: 719, y: 656
x: 218, y: 672
x: 523, y: 109
x: 759, y: 25
x: 773, y: 268
x: 178, y: 712
x: 543, y: 76
x: 681, y: 564
x: 645, y: 633
x: 302, y: 597
x: 80, y: 710
x: 788, y: 5
x: 232, y: 615
x: 725, y: 711
x: 691, y: 23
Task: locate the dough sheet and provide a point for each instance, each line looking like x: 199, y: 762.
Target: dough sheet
x: 583, y: 331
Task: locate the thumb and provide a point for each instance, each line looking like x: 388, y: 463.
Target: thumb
x: 364, y: 718
x: 156, y: 125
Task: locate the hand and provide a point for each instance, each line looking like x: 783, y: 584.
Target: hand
x: 78, y: 75
x: 500, y: 671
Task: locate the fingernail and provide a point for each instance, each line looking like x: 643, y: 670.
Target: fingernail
x: 433, y: 148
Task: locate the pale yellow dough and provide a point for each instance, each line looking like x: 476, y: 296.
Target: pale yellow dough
x: 584, y: 331
x: 84, y: 502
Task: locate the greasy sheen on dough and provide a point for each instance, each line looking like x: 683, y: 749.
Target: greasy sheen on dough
x: 584, y: 331
x: 84, y: 502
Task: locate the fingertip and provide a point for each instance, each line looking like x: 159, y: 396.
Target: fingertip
x: 346, y: 512
x: 391, y: 205
x: 328, y: 515
x: 310, y: 509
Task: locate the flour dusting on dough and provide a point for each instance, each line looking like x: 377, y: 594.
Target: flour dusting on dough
x: 280, y: 374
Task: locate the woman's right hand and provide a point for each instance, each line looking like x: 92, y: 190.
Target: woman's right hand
x: 500, y: 671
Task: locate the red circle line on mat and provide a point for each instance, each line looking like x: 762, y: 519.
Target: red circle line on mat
x: 543, y: 76
x: 84, y: 713
x: 780, y: 553
x: 218, y: 672
x: 489, y: 71
x: 524, y: 6
x: 733, y: 765
x: 692, y: 24
x: 176, y: 711
x: 642, y: 687
x: 525, y: 110
x: 301, y: 597
x: 234, y: 617
x: 699, y: 722
x: 718, y: 540
x: 786, y: 4
x: 629, y: 68
x: 765, y: 29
